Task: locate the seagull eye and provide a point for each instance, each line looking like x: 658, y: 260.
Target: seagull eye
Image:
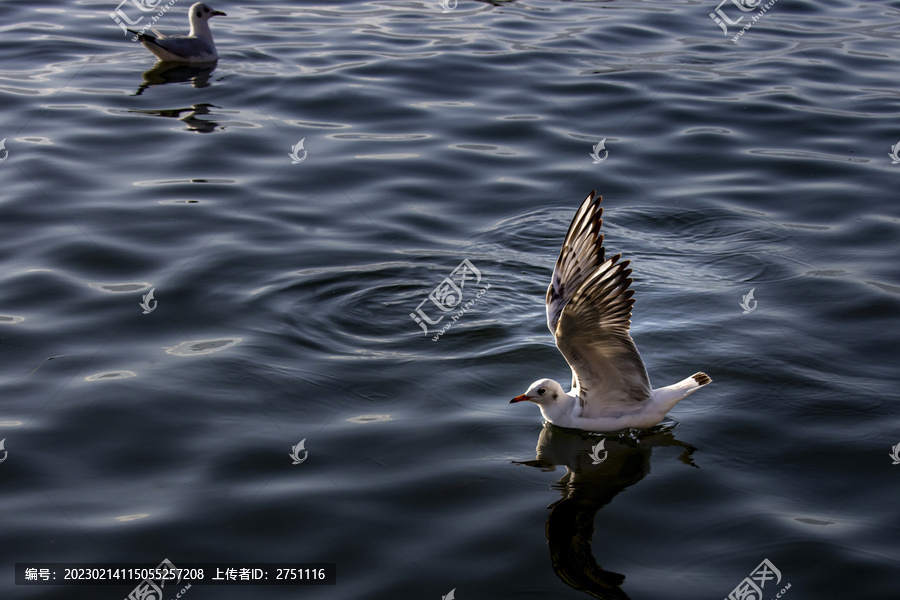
x: 541, y: 391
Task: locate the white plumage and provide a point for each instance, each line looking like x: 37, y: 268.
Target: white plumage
x: 589, y: 313
x: 195, y: 47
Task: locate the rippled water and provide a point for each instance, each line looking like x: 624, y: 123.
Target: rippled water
x: 285, y: 290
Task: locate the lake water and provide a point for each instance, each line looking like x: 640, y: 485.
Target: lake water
x: 283, y: 290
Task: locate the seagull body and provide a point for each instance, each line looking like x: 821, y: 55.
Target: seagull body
x: 195, y: 47
x: 589, y: 313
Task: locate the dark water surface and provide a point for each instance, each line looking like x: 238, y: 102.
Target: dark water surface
x: 285, y: 290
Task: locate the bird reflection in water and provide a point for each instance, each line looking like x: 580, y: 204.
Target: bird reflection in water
x: 190, y: 119
x: 589, y: 485
x: 171, y: 72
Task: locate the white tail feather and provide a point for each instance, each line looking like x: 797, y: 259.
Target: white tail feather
x: 667, y: 397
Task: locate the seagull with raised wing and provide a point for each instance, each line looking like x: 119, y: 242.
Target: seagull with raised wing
x: 589, y: 313
x: 195, y: 47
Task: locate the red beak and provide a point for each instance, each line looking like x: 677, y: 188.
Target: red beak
x: 521, y: 398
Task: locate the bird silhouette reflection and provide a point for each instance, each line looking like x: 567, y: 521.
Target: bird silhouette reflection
x: 594, y: 476
x: 190, y: 118
x: 170, y: 72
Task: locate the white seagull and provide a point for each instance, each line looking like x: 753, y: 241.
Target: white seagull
x: 195, y: 47
x: 589, y: 313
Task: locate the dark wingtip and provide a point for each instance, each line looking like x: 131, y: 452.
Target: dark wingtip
x: 701, y: 378
x: 593, y: 198
x: 144, y: 37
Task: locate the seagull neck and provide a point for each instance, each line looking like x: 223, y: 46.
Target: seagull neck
x: 200, y: 29
x: 558, y: 412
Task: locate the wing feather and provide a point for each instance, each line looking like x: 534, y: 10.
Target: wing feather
x: 589, y: 304
x: 581, y: 254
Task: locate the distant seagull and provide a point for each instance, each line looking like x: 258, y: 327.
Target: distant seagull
x: 589, y: 313
x: 195, y: 47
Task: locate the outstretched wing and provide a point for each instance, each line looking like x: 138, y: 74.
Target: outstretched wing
x: 589, y: 312
x: 581, y: 254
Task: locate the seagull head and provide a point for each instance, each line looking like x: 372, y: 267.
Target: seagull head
x: 543, y: 392
x: 202, y: 12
